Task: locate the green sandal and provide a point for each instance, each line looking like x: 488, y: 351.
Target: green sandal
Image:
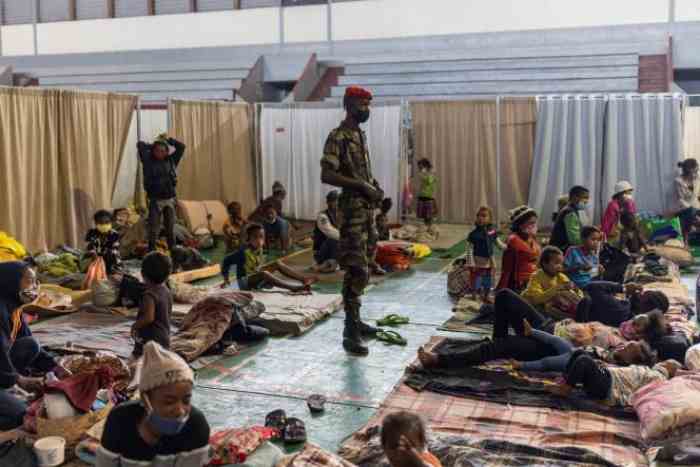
x: 391, y: 338
x: 392, y: 320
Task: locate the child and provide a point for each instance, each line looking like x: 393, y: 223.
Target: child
x: 160, y: 182
x: 103, y: 241
x: 562, y: 202
x: 233, y: 227
x: 382, y: 220
x: 153, y: 319
x: 567, y: 228
x: 648, y: 326
x: 581, y: 262
x: 404, y: 441
x: 249, y: 260
x: 615, y: 386
x: 163, y: 428
x: 427, y: 207
x: 549, y: 289
x: 631, y: 238
x: 622, y: 201
x: 482, y: 240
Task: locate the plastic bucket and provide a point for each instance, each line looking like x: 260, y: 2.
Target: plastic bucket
x: 50, y: 451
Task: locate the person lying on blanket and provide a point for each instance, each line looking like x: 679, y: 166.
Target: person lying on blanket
x: 404, y: 441
x: 536, y: 351
x: 249, y: 260
x: 614, y: 386
x: 600, y: 302
x: 649, y: 327
x: 163, y: 428
x: 20, y: 353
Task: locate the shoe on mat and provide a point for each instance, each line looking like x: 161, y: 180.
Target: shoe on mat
x: 277, y: 420
x: 391, y: 338
x: 294, y: 431
x: 393, y: 320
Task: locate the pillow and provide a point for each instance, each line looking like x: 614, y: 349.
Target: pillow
x: 692, y: 358
x: 667, y: 406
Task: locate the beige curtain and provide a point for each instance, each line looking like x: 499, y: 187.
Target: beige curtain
x: 218, y: 163
x: 460, y: 139
x: 517, y: 134
x: 59, y: 154
x: 691, y: 133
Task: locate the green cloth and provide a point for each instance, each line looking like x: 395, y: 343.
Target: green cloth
x: 428, y: 184
x: 572, y: 223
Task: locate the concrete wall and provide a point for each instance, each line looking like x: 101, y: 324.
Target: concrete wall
x: 367, y: 19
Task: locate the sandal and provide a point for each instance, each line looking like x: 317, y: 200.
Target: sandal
x: 392, y: 320
x: 391, y: 338
x: 294, y: 431
x: 277, y: 420
x: 316, y: 403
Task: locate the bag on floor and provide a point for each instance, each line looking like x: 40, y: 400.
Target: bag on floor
x: 393, y: 258
x: 96, y: 272
x: 104, y: 293
x: 11, y: 249
x: 458, y: 278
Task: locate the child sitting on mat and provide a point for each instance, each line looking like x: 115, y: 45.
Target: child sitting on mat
x: 233, y: 227
x: 103, y: 241
x: 482, y: 240
x: 631, y: 239
x: 581, y: 262
x: 249, y: 260
x: 153, y: 319
x: 404, y: 441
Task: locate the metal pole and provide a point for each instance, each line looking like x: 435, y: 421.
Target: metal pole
x: 35, y: 19
x: 281, y: 25
x: 329, y: 21
x: 498, y: 159
x: 2, y: 21
x: 671, y: 11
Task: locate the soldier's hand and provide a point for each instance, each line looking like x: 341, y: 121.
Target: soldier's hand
x: 373, y: 194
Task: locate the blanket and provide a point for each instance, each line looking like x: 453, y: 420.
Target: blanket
x: 499, y: 383
x: 209, y: 319
x: 287, y: 314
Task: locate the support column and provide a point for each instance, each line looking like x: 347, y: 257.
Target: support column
x: 35, y: 20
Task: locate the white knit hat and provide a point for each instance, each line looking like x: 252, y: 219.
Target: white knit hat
x: 622, y: 186
x: 161, y: 367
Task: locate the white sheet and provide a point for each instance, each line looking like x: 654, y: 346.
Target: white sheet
x: 292, y: 146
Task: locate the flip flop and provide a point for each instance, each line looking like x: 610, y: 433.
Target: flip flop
x: 277, y: 420
x: 391, y: 338
x: 316, y: 403
x: 392, y: 320
x: 294, y: 431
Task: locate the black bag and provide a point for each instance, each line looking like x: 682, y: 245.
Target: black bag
x: 615, y: 262
x: 131, y: 291
x: 17, y: 454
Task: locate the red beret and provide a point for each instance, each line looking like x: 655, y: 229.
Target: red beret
x: 356, y: 91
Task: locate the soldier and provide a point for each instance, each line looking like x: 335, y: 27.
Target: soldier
x: 345, y: 164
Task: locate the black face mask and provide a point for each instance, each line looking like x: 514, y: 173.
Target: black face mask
x: 360, y: 116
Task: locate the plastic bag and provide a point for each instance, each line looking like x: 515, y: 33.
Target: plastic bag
x: 96, y: 272
x: 11, y: 249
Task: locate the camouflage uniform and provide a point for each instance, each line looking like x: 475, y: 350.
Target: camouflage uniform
x: 346, y: 153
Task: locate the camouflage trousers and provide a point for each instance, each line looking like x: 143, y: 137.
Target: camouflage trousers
x: 356, y: 248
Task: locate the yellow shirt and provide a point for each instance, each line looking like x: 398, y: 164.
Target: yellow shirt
x: 543, y: 287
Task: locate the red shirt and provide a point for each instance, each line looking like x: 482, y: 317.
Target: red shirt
x: 519, y: 262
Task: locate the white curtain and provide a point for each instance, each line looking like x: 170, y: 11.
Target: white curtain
x: 643, y: 146
x: 691, y: 133
x: 568, y: 152
x: 153, y: 123
x: 292, y: 144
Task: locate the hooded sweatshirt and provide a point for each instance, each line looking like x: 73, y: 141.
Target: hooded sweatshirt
x: 10, y: 278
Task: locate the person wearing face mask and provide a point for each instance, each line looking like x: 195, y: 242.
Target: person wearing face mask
x: 162, y: 429
x: 622, y: 201
x: 522, y: 251
x: 20, y: 354
x: 567, y: 227
x: 103, y: 241
x: 687, y: 195
x: 160, y: 182
x: 346, y: 164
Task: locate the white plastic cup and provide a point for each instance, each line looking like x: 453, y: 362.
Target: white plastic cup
x: 50, y: 451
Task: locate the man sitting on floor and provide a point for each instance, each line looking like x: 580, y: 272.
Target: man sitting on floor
x: 326, y: 236
x: 249, y: 261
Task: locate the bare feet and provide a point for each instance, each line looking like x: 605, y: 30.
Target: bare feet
x: 516, y: 364
x: 563, y: 390
x: 427, y: 359
x: 527, y: 328
x: 310, y: 280
x: 377, y: 270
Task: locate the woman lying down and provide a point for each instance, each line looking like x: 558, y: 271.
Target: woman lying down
x: 587, y: 366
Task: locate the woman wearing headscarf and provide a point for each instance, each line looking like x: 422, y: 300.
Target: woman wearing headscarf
x: 522, y: 251
x: 20, y: 353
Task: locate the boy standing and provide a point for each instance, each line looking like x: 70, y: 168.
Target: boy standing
x: 160, y: 182
x: 567, y: 227
x: 103, y: 241
x: 153, y: 320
